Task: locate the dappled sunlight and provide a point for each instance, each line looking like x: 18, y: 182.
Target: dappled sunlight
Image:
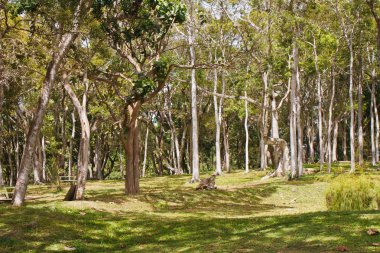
x: 242, y: 216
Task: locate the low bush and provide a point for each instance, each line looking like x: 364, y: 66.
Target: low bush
x: 378, y: 197
x: 351, y: 193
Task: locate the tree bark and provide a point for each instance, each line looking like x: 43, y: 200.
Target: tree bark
x: 145, y: 151
x: 293, y: 114
x: 334, y: 155
x: 71, y: 145
x: 310, y: 136
x: 84, y: 149
x: 226, y: 144
x: 320, y: 119
x: 131, y: 144
x: 300, y: 153
x: 263, y: 123
x: 194, y: 113
x: 246, y: 135
x: 360, y: 116
x: 36, y: 124
x: 330, y: 156
x: 218, y: 119
x: 352, y: 113
x: 344, y: 144
x: 43, y: 149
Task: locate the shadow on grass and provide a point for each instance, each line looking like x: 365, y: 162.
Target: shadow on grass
x: 47, y: 230
x: 227, y: 201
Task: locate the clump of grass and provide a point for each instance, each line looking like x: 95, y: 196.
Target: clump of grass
x: 350, y: 193
x: 378, y: 197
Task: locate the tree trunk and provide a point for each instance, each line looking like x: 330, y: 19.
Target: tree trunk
x: 145, y: 151
x: 36, y: 124
x: 132, y: 150
x: 84, y: 149
x: 246, y: 135
x: 71, y: 144
x: 335, y: 141
x: 37, y: 163
x: 360, y: 116
x: 98, y: 158
x: 300, y: 154
x: 330, y: 157
x: 194, y: 113
x: 226, y: 144
x: 263, y: 124
x: 293, y: 114
x: 344, y: 140
x: 320, y: 119
x: 274, y: 132
x: 352, y: 113
x: 217, y: 111
x: 310, y: 136
x: 43, y: 149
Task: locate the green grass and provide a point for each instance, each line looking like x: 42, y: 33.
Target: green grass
x: 245, y: 214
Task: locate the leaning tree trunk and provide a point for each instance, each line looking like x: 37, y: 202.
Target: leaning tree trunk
x: 84, y: 149
x: 36, y: 124
x: 131, y: 145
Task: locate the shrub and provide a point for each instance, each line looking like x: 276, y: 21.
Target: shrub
x: 378, y: 197
x: 350, y: 193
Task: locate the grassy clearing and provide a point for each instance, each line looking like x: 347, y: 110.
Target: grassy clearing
x: 245, y: 214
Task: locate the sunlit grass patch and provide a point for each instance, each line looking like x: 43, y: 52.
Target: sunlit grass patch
x: 245, y: 214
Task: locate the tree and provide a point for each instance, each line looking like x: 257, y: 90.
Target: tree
x: 62, y: 47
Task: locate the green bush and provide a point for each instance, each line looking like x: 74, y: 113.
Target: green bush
x: 378, y: 197
x: 351, y: 193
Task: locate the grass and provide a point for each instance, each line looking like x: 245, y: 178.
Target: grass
x: 245, y: 214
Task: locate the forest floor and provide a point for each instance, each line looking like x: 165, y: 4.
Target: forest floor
x: 245, y: 214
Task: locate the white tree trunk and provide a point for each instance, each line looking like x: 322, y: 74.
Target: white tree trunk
x: 263, y: 124
x: 194, y: 113
x: 217, y: 111
x: 335, y: 141
x: 300, y: 154
x: 84, y: 150
x: 352, y: 112
x: 329, y: 146
x: 145, y: 151
x: 293, y: 114
x: 320, y: 119
x: 360, y: 116
x: 246, y: 134
x: 71, y: 144
x: 43, y: 159
x: 373, y: 150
